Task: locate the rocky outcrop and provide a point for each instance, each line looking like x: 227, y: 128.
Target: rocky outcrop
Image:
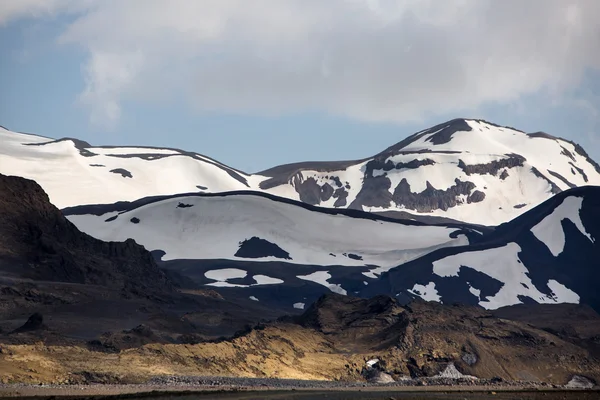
x: 435, y: 199
x: 38, y: 242
x: 492, y: 168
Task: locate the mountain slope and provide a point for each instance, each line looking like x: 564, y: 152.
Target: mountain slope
x: 258, y: 241
x: 267, y: 249
x: 346, y: 341
x: 38, y: 242
x: 547, y: 255
x: 465, y: 170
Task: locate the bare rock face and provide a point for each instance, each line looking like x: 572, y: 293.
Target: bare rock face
x: 38, y: 242
x: 381, y: 377
x: 457, y: 342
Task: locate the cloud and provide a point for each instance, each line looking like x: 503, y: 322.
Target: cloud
x: 374, y: 60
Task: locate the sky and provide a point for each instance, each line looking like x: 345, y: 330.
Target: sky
x: 257, y: 83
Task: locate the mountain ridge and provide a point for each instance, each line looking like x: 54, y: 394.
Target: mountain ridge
x: 457, y: 170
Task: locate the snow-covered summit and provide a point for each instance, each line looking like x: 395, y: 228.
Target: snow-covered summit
x: 466, y: 170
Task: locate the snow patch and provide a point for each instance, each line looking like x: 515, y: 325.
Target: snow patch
x: 550, y: 232
x: 563, y: 293
x: 299, y: 306
x: 220, y: 223
x: 266, y: 280
x: 322, y: 277
x: 225, y: 274
x: 503, y: 264
x: 474, y: 292
x: 253, y: 298
x: 427, y: 293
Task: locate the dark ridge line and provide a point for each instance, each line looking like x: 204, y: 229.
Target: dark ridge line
x: 554, y: 188
x: 562, y: 179
x: 82, y: 146
x: 535, y: 215
x: 180, y: 151
x: 126, y: 206
x: 581, y: 172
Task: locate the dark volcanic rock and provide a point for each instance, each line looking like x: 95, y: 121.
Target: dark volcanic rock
x: 432, y: 198
x: 555, y: 189
x: 333, y: 313
x: 34, y: 323
x: 581, y: 172
x: 124, y: 173
x: 562, y: 178
x: 38, y: 242
x: 375, y: 192
x: 310, y: 192
x: 492, y: 168
x: 340, y: 195
x: 256, y: 247
x: 476, y: 197
x: 442, y: 133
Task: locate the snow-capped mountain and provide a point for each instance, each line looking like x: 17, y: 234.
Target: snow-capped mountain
x: 462, y: 170
x: 547, y: 255
x: 261, y: 228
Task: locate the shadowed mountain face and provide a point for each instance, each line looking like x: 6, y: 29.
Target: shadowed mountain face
x: 38, y: 242
x: 286, y: 253
x: 547, y: 255
x: 459, y: 170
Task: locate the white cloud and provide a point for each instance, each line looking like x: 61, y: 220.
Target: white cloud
x: 366, y: 59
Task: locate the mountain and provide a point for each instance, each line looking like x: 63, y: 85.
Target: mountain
x: 547, y: 255
x: 265, y: 248
x: 259, y: 241
x: 74, y: 309
x: 462, y: 170
x: 61, y: 286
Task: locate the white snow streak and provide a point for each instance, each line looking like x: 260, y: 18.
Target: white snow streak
x: 550, y: 231
x: 321, y: 277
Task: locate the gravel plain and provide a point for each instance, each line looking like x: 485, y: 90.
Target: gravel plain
x: 184, y: 388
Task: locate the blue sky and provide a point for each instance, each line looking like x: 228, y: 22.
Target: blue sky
x: 295, y: 80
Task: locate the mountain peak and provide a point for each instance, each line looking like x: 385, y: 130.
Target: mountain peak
x: 458, y: 170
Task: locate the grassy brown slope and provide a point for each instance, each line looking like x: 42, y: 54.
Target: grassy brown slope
x: 332, y: 340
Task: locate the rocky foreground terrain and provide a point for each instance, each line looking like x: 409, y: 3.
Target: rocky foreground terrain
x: 75, y: 310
